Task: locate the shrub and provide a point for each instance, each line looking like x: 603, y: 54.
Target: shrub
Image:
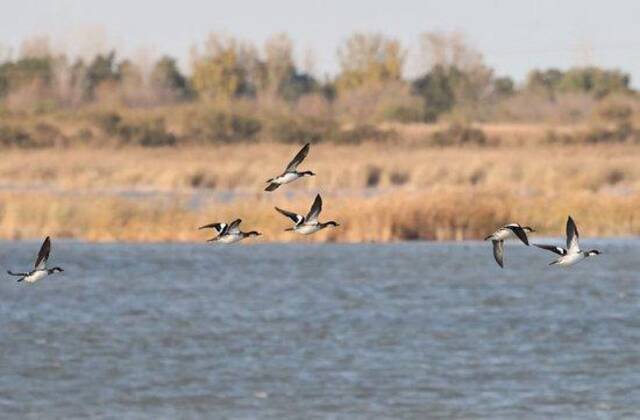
x: 47, y: 135
x: 459, y: 135
x: 364, y: 132
x: 399, y: 177
x: 41, y: 136
x: 13, y: 136
x: 615, y: 176
x: 374, y: 173
x: 109, y: 123
x: 223, y: 127
x: 84, y: 135
x: 147, y: 133
x: 615, y: 112
x: 623, y: 132
x: 404, y: 114
x: 290, y: 130
x: 553, y: 137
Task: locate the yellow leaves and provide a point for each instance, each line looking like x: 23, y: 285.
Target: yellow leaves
x: 219, y: 76
x: 369, y: 60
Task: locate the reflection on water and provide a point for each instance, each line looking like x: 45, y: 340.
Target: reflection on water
x: 351, y: 331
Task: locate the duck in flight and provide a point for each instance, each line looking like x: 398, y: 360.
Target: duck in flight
x: 572, y: 254
x: 512, y: 230
x: 291, y: 173
x: 40, y: 269
x: 229, y: 233
x: 308, y: 224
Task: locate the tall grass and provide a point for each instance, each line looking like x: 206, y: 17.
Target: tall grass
x: 403, y: 215
x: 382, y: 191
x: 533, y: 170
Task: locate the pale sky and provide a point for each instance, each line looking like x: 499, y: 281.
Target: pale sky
x: 513, y: 35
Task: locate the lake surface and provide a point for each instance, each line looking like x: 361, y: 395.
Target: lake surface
x: 413, y: 330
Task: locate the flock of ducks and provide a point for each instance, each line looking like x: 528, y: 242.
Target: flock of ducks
x: 570, y: 255
x: 308, y: 224
x: 305, y: 225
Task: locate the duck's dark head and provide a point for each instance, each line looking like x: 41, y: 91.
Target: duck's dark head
x: 332, y: 223
x: 55, y: 270
x: 528, y: 229
x: 593, y: 252
x: 307, y: 173
x: 252, y: 233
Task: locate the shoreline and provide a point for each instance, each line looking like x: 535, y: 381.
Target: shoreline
x: 464, y: 242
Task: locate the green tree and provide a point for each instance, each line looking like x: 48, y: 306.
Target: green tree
x: 596, y: 81
x: 504, y: 86
x: 103, y: 68
x: 544, y: 81
x: 455, y: 76
x: 14, y: 75
x: 167, y: 80
x: 297, y: 85
x: 436, y: 87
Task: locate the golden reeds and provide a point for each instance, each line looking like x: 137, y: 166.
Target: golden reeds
x: 453, y: 215
x: 378, y: 192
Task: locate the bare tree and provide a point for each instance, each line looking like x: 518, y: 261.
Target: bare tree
x: 278, y: 51
x: 36, y: 47
x: 448, y: 50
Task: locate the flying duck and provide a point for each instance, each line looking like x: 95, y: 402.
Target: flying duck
x: 291, y: 173
x: 572, y: 254
x: 308, y: 224
x: 229, y: 233
x: 505, y: 232
x: 40, y: 270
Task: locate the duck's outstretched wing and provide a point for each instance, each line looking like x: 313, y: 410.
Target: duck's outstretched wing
x: 498, y: 252
x: 297, y: 219
x: 315, y: 210
x: 297, y: 160
x: 234, y: 227
x: 272, y: 187
x: 555, y: 249
x: 219, y: 227
x: 11, y: 273
x: 519, y: 232
x: 43, y: 255
x: 572, y: 236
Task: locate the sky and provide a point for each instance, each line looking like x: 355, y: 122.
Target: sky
x: 514, y: 36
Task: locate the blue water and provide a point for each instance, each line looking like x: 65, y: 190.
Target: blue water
x: 413, y: 330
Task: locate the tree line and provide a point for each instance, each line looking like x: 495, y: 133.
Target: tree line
x: 452, y: 76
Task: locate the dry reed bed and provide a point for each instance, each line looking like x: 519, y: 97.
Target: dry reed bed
x: 532, y: 170
x: 378, y: 192
x: 456, y: 214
